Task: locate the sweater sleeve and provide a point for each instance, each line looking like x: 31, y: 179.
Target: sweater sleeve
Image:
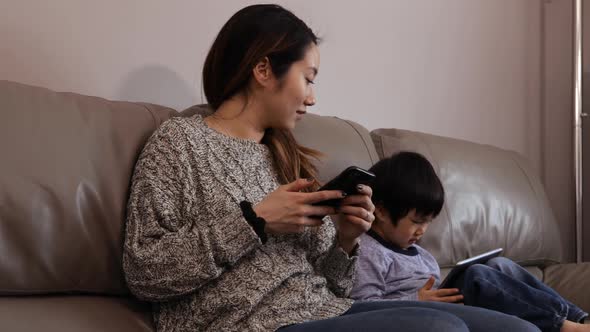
x: 169, y: 249
x: 331, y: 261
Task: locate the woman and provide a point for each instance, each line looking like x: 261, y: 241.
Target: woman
x: 221, y: 232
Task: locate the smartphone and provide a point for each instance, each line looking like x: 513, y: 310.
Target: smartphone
x: 347, y: 182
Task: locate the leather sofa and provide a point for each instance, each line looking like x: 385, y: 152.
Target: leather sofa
x: 67, y: 161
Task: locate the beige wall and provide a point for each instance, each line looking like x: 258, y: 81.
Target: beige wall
x: 470, y: 69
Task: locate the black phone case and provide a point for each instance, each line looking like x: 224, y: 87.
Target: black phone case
x: 347, y: 181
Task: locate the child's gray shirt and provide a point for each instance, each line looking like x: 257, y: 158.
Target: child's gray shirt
x: 386, y: 271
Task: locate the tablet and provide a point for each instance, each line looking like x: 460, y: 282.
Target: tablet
x: 461, y: 266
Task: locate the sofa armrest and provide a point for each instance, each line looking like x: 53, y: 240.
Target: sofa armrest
x: 572, y: 281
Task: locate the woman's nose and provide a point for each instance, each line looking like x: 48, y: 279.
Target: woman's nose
x: 310, y: 100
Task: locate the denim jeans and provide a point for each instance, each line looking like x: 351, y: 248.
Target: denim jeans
x: 414, y: 316
x: 504, y: 286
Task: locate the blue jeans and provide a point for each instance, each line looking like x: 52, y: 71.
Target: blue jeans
x: 504, y: 286
x: 414, y: 316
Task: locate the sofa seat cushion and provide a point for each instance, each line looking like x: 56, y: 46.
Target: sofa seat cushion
x: 572, y: 281
x: 74, y: 314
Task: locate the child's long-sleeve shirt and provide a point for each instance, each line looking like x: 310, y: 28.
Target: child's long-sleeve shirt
x: 386, y: 271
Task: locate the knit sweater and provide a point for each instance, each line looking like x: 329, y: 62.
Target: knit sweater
x: 189, y: 250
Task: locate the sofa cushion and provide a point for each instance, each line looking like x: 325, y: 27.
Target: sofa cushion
x: 493, y: 199
x: 571, y: 282
x: 66, y: 166
x: 343, y: 143
x: 74, y: 314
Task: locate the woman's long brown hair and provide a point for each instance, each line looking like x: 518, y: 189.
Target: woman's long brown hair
x: 250, y: 35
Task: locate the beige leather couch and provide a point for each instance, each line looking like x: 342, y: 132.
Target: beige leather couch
x: 66, y: 163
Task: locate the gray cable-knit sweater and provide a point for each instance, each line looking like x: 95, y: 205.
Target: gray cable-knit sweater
x: 189, y: 250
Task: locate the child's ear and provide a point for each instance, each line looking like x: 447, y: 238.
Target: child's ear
x: 381, y: 213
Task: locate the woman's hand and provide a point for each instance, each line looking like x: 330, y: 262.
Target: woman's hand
x: 450, y: 295
x: 355, y: 216
x: 287, y: 210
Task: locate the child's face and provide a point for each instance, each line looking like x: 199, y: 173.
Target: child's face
x: 408, y: 231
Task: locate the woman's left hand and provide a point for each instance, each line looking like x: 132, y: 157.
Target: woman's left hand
x: 355, y: 216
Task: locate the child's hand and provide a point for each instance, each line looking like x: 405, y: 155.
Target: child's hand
x: 426, y: 293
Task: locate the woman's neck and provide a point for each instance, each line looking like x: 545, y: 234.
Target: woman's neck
x: 237, y: 117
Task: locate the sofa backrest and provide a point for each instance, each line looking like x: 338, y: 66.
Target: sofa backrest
x: 343, y: 143
x: 493, y: 199
x: 64, y: 177
x: 67, y: 162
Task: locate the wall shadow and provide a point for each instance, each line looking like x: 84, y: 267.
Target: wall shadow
x: 157, y: 84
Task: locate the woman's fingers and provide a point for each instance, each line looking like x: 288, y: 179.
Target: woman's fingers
x: 363, y: 201
x: 359, y: 223
x: 318, y: 211
x: 289, y: 210
x: 298, y: 185
x: 358, y: 212
x: 364, y: 190
x: 323, y: 195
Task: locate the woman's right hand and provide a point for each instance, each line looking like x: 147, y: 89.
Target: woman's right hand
x: 288, y: 210
x: 450, y: 295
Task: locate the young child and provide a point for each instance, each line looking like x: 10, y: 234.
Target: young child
x: 408, y: 194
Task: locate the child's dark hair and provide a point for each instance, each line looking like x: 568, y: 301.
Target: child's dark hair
x: 407, y: 181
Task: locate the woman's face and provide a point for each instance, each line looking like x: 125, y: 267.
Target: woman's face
x: 287, y: 101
